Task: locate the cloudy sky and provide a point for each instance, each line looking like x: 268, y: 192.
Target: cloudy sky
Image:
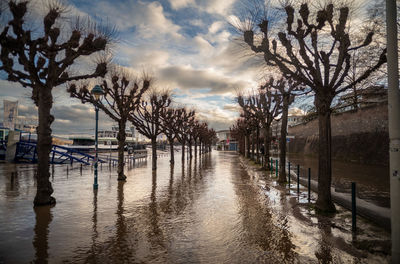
x: 187, y: 45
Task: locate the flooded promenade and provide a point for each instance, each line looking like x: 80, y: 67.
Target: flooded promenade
x: 216, y: 209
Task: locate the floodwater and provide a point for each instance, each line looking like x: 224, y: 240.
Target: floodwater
x: 216, y: 209
x: 372, y: 180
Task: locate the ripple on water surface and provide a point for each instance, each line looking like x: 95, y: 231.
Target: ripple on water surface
x: 211, y: 210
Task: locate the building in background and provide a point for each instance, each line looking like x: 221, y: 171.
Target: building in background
x: 10, y: 114
x: 225, y: 141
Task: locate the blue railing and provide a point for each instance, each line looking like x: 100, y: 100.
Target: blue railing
x: 27, y: 152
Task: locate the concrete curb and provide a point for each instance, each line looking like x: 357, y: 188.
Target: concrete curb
x: 377, y: 214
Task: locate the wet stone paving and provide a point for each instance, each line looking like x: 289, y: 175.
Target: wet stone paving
x: 219, y: 208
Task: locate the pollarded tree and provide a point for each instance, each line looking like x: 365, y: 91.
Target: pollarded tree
x: 196, y: 132
x: 147, y: 118
x: 169, y: 122
x: 264, y: 107
x: 185, y: 117
x: 317, y: 54
x: 122, y: 95
x: 287, y: 89
x: 42, y: 61
x: 238, y: 131
x: 190, y: 135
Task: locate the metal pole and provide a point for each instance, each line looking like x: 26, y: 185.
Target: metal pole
x: 289, y: 174
x: 276, y: 168
x: 272, y: 164
x: 95, y: 185
x: 298, y: 178
x: 353, y: 207
x: 309, y: 184
x: 394, y: 125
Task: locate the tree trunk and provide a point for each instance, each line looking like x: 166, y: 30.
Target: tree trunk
x: 252, y: 145
x: 324, y: 201
x: 247, y: 146
x: 171, y: 146
x: 154, y: 153
x: 183, y: 152
x: 258, y: 144
x: 195, y: 148
x: 44, y: 188
x: 282, y: 143
x: 267, y: 141
x: 190, y: 150
x: 121, y: 137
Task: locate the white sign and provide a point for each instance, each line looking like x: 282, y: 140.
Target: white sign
x: 10, y: 113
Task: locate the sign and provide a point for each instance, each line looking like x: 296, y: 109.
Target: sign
x: 10, y: 113
x: 289, y: 136
x: 288, y: 140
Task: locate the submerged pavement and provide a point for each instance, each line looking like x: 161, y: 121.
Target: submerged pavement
x: 216, y: 209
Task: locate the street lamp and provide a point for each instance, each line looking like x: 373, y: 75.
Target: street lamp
x: 97, y: 91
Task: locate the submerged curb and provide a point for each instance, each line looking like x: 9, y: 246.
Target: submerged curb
x: 377, y: 214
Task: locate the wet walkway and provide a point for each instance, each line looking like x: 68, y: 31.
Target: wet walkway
x: 217, y: 209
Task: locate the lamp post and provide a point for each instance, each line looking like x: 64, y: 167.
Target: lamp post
x: 97, y: 91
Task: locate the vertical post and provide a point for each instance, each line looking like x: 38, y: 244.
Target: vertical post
x: 272, y: 164
x: 95, y: 185
x: 298, y: 178
x: 353, y: 207
x: 394, y: 125
x: 289, y: 175
x: 276, y: 168
x: 309, y: 184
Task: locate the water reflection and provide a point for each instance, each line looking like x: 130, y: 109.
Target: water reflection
x: 155, y: 234
x: 324, y: 253
x: 263, y: 227
x: 211, y: 210
x: 40, y: 243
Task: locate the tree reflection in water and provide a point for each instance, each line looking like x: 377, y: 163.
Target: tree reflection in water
x: 262, y: 226
x: 40, y: 241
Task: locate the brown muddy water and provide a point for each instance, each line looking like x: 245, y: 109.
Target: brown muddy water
x: 217, y: 209
x: 372, y: 180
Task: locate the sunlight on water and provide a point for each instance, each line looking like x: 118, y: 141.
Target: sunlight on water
x: 212, y: 210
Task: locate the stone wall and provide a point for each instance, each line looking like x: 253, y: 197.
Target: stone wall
x: 359, y: 136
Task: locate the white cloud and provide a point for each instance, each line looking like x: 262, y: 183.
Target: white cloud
x: 148, y: 18
x: 178, y: 4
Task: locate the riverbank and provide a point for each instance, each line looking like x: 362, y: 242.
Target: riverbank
x: 371, y: 243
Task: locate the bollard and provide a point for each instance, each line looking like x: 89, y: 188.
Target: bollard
x: 276, y: 168
x: 309, y: 184
x: 353, y: 207
x: 289, y: 175
x: 298, y: 178
x: 271, y: 164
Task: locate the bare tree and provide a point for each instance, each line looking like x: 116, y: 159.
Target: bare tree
x: 147, y: 118
x: 264, y: 107
x: 318, y: 55
x: 122, y: 95
x: 42, y: 63
x: 169, y: 122
x: 185, y: 117
x: 287, y: 89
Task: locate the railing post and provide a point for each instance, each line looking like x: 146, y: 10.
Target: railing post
x: 353, y: 207
x: 298, y: 178
x: 309, y: 184
x: 289, y: 175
